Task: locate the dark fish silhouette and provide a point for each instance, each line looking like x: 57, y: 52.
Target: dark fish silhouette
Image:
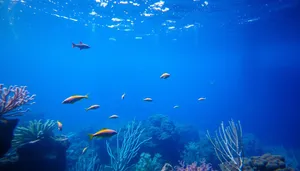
x: 80, y: 46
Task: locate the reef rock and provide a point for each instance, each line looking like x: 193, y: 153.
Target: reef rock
x: 43, y: 155
x: 266, y: 162
x: 6, y: 134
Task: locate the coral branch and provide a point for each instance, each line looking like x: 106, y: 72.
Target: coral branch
x: 121, y: 157
x: 12, y: 99
x: 228, y: 145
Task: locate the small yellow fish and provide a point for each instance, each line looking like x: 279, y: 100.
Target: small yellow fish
x: 176, y: 107
x: 92, y: 107
x: 73, y: 99
x: 148, y: 99
x: 113, y: 117
x: 165, y: 76
x: 84, y: 150
x: 202, y: 98
x: 103, y: 133
x: 123, y: 96
x: 59, y: 126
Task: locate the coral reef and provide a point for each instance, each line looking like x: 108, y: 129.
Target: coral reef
x: 88, y: 162
x: 194, y: 167
x: 12, y: 99
x: 228, y: 145
x: 75, y: 151
x: 147, y: 163
x: 195, y: 151
x: 266, y: 162
x: 131, y: 143
x: 165, y: 132
x: 41, y: 154
x: 34, y: 131
x: 167, y: 167
x: 289, y: 154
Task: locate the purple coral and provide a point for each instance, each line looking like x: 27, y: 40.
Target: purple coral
x: 12, y: 99
x: 193, y: 167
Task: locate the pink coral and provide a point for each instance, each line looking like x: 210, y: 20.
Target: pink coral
x: 194, y: 167
x: 12, y: 99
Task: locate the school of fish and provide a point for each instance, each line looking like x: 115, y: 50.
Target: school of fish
x: 104, y: 132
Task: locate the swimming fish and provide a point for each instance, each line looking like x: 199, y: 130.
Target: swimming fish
x: 113, y: 117
x: 84, y: 150
x: 176, y: 107
x: 80, y: 45
x: 202, y: 98
x: 103, y: 133
x: 123, y: 96
x: 59, y: 126
x: 92, y: 107
x: 73, y: 99
x: 148, y: 99
x: 165, y: 76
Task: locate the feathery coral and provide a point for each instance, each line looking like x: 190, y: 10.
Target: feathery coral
x: 34, y: 131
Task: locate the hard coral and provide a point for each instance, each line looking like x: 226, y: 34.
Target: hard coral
x: 266, y: 162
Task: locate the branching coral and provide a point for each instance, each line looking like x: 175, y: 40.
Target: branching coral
x: 228, y: 145
x: 12, y: 99
x: 88, y: 162
x: 34, y: 131
x: 121, y: 157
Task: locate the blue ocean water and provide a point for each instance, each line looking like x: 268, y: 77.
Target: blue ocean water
x: 243, y: 56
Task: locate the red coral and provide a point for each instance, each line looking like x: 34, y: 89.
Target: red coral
x: 12, y: 99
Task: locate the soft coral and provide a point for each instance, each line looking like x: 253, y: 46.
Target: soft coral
x: 193, y: 167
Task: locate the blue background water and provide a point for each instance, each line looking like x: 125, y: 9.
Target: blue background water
x: 247, y: 71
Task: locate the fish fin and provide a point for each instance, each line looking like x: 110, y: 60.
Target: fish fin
x: 104, y: 129
x: 87, y: 96
x: 80, y: 42
x: 86, y: 109
x: 73, y: 45
x: 90, y: 136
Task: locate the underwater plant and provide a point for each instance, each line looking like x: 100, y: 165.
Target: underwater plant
x: 146, y: 162
x: 121, y: 157
x: 34, y: 131
x: 228, y: 145
x: 12, y: 99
